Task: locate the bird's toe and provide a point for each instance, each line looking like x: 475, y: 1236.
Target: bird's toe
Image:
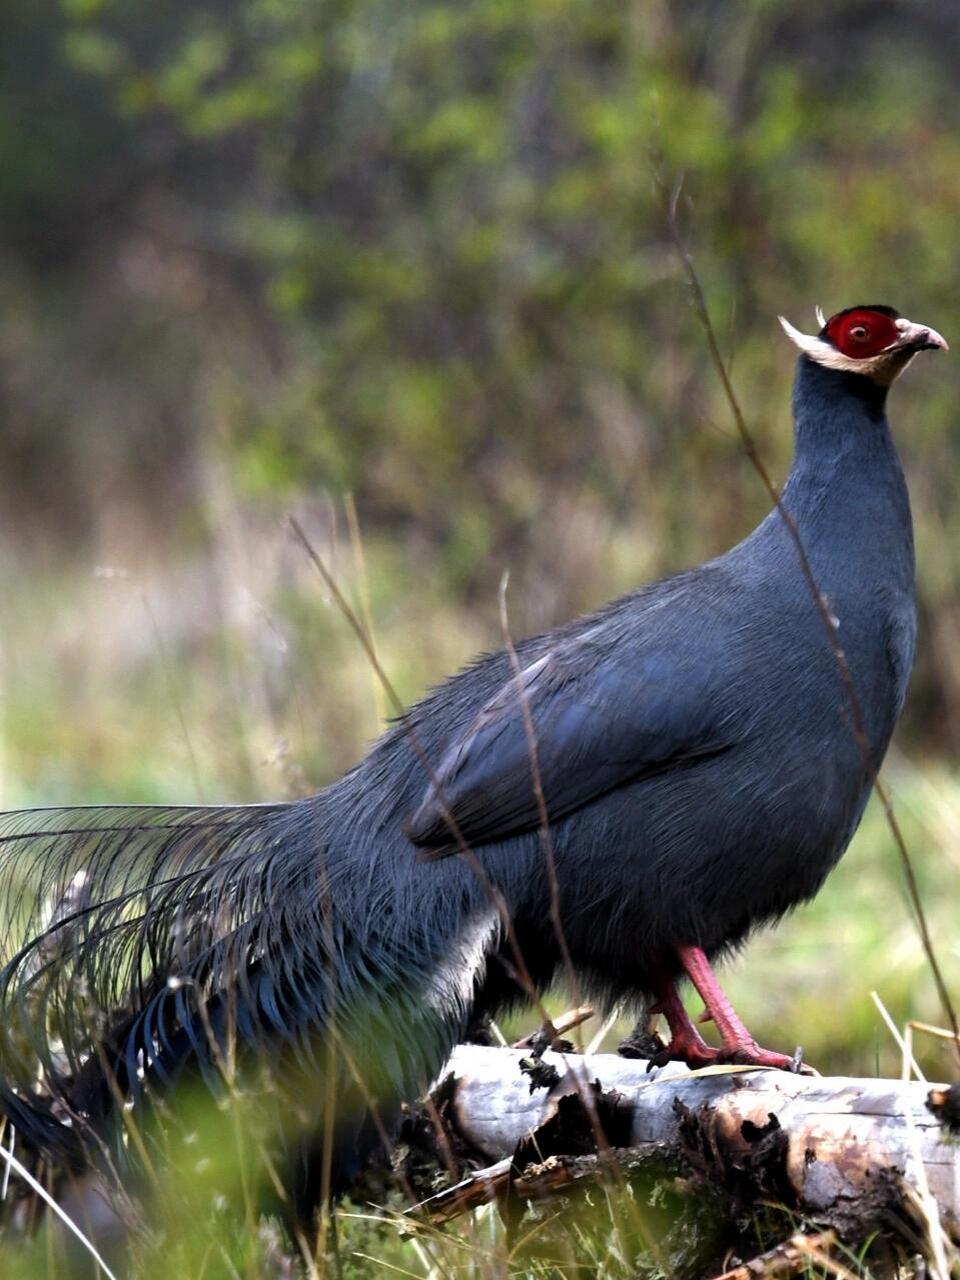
x: 750, y: 1054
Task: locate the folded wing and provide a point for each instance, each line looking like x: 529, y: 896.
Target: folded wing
x: 585, y: 723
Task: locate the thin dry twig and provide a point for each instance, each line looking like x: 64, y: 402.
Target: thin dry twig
x: 927, y: 1029
x: 363, y: 593
x: 546, y: 843
x: 522, y: 973
x: 566, y: 1022
x: 173, y: 685
x: 827, y: 618
x: 906, y: 1054
x: 551, y: 1175
x: 546, y: 839
x: 39, y: 1190
x: 479, y: 1188
x: 785, y: 1259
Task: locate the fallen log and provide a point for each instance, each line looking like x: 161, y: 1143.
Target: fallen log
x: 843, y: 1149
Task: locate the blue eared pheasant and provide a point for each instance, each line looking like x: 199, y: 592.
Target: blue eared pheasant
x: 697, y: 766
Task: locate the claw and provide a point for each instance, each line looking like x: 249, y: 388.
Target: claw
x: 748, y: 1053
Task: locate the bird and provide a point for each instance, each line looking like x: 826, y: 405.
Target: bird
x: 629, y: 795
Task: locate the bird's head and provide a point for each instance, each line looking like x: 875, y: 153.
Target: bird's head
x: 876, y: 342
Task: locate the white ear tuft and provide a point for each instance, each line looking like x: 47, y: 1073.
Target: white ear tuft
x: 801, y: 340
x: 820, y: 317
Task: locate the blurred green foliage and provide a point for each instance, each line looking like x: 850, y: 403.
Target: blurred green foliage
x: 418, y: 251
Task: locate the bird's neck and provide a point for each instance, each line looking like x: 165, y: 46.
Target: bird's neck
x: 842, y: 439
x: 837, y: 415
x: 846, y: 485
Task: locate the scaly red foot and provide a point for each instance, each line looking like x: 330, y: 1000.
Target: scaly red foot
x: 687, y: 1045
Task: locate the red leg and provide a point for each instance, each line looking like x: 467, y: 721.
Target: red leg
x: 739, y: 1045
x: 686, y: 1043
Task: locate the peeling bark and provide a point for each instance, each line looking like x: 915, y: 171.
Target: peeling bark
x: 847, y: 1152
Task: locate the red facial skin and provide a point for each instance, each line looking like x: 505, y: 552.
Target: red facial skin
x: 862, y: 333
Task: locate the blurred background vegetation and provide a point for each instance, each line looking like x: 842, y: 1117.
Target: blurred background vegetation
x: 402, y: 268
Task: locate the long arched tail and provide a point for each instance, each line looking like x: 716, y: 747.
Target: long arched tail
x: 146, y: 942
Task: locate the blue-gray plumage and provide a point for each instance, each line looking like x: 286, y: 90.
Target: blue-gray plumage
x: 698, y: 768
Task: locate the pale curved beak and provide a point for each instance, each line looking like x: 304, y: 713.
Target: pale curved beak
x: 917, y: 337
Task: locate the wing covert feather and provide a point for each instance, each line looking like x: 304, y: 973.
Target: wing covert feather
x: 597, y: 724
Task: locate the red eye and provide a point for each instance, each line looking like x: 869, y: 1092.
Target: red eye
x: 862, y: 332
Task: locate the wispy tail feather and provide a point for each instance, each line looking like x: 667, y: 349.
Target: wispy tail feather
x: 151, y: 943
x: 124, y: 916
